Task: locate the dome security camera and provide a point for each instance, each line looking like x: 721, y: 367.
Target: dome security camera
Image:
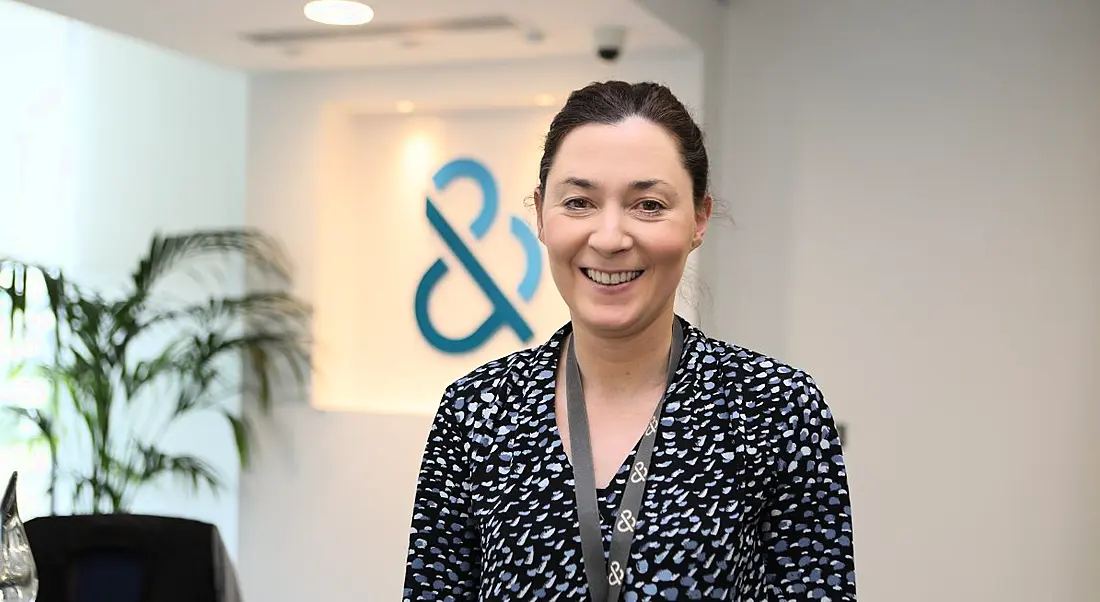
x: 609, y: 41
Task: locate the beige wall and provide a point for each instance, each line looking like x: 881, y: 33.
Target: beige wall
x: 916, y: 189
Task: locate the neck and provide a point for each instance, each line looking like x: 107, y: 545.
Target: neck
x: 617, y: 369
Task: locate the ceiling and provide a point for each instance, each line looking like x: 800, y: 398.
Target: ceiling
x: 403, y: 32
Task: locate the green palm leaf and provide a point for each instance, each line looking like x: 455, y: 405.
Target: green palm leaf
x: 167, y: 252
x: 159, y: 360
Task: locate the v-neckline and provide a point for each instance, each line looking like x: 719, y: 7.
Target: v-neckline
x: 549, y: 360
x: 559, y: 448
x: 565, y: 457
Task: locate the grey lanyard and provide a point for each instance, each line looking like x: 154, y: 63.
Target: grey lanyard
x: 605, y: 584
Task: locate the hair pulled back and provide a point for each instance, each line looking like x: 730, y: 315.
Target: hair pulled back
x: 611, y: 102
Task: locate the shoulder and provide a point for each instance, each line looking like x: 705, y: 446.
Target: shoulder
x: 760, y: 383
x: 495, y: 376
x: 772, y: 400
x: 478, y: 396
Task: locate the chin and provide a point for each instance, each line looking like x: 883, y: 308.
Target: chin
x: 609, y: 319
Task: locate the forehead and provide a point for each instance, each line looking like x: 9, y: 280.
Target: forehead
x: 634, y: 149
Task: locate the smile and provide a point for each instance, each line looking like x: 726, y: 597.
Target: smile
x: 611, y: 278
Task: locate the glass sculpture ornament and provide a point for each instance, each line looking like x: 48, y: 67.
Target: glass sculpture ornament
x: 18, y: 573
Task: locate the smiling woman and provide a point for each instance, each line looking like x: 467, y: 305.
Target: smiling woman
x: 617, y: 214
x: 630, y: 456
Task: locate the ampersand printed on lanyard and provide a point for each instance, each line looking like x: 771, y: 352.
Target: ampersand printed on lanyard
x: 626, y: 521
x: 504, y: 312
x: 615, y: 574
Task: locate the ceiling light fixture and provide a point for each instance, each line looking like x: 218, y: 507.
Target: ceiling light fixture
x: 339, y: 12
x: 405, y: 106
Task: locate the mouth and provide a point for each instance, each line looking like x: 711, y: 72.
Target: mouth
x: 611, y: 278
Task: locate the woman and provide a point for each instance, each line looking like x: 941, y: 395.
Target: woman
x: 630, y: 457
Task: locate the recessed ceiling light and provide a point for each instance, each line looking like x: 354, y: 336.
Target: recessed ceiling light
x: 339, y: 12
x: 405, y: 106
x: 544, y: 100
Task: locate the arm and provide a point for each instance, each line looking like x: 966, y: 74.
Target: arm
x: 444, y: 558
x: 808, y: 535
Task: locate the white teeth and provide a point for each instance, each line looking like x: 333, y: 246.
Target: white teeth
x: 611, y: 277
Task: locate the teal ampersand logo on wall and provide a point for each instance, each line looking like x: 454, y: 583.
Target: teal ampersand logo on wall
x: 504, y: 313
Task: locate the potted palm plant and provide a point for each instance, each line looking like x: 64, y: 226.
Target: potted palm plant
x: 175, y: 358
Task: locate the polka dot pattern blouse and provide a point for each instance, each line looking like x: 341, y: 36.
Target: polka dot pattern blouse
x: 747, y: 497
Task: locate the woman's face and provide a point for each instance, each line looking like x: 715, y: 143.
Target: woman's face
x: 618, y: 223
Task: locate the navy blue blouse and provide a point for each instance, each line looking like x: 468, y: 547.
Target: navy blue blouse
x: 747, y: 496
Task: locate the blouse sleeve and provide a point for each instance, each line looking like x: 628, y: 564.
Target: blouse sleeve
x: 444, y: 558
x: 808, y: 535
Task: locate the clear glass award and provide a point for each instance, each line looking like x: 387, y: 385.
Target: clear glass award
x: 18, y: 574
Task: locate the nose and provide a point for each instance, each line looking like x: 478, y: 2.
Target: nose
x: 610, y: 235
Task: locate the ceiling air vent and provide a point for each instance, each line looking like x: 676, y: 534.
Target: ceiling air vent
x: 375, y: 31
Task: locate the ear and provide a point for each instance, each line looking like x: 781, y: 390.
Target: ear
x: 538, y: 214
x: 702, y: 220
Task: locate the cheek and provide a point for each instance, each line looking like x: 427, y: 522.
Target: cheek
x: 561, y: 244
x: 670, y: 247
x: 559, y: 259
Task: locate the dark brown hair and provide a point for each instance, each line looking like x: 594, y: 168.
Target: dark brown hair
x: 612, y: 102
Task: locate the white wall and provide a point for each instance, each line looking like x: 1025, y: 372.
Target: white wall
x: 33, y: 190
x: 325, y: 512
x: 916, y: 189
x: 160, y: 146
x: 149, y: 140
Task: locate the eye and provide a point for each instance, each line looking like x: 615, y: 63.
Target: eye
x: 651, y: 206
x: 576, y: 203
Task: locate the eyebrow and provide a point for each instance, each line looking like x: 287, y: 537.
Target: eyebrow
x: 635, y: 185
